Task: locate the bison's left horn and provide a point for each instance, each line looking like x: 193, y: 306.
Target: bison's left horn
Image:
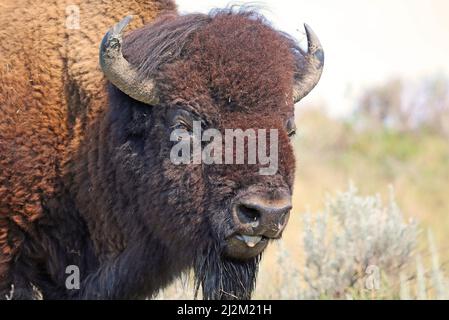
x: 119, y: 71
x: 314, y: 62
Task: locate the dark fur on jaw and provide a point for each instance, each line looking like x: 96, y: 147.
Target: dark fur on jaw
x: 222, y: 278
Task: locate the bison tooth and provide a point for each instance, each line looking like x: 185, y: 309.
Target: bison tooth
x: 255, y: 224
x: 250, y: 241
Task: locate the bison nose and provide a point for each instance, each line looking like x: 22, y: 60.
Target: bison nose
x: 259, y: 216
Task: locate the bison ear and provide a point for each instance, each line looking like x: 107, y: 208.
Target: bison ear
x: 313, y: 65
x: 119, y: 71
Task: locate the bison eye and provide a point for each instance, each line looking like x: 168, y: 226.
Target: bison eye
x: 291, y: 127
x: 182, y: 125
x: 181, y: 119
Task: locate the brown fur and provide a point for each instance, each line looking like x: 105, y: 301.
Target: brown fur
x: 85, y: 176
x: 44, y: 68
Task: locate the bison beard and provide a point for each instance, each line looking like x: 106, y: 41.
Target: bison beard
x: 222, y: 278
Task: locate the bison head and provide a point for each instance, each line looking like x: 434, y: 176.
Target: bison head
x: 224, y: 71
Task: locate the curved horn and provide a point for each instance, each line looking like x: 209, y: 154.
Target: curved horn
x: 119, y: 71
x: 314, y: 59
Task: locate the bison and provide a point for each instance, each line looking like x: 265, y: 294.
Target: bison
x: 86, y: 179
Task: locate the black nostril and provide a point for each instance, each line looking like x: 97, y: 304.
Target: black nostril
x: 247, y: 214
x: 260, y: 213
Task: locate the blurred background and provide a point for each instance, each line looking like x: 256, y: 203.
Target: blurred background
x: 371, y: 199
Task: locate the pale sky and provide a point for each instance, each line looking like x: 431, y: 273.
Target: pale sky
x: 365, y: 41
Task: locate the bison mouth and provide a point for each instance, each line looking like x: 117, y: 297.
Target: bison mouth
x: 243, y: 247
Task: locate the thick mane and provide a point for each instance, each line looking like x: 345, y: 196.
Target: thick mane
x: 161, y: 42
x: 164, y: 40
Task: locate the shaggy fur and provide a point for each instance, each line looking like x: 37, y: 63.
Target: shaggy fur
x: 85, y: 172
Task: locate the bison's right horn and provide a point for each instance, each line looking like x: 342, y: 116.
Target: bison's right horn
x: 119, y: 71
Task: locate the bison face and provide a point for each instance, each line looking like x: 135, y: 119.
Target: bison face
x: 245, y: 204
x: 208, y: 76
